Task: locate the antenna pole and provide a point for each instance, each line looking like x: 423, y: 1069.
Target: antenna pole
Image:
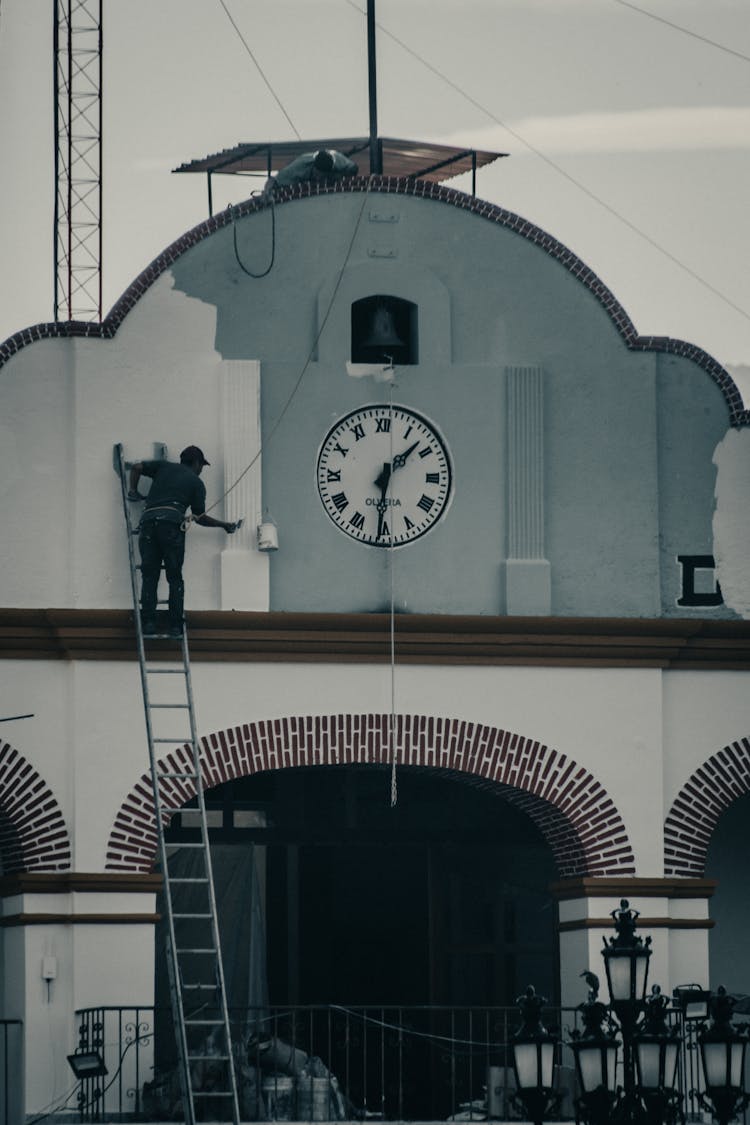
x: 376, y: 164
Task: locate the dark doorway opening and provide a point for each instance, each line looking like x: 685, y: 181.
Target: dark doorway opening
x: 440, y: 900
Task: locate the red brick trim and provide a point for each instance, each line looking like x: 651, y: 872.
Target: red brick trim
x: 33, y: 835
x: 738, y: 416
x: 568, y: 805
x: 697, y: 807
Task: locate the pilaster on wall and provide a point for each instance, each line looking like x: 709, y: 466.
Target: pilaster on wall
x: 527, y: 572
x: 244, y: 569
x: 675, y: 912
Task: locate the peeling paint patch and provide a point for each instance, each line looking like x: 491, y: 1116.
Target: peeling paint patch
x: 731, y: 522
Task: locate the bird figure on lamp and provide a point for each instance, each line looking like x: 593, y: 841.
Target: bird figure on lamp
x: 592, y: 980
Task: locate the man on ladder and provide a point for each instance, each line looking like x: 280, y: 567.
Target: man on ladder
x: 161, y: 538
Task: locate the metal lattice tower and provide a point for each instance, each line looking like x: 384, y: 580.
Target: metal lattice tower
x: 78, y: 159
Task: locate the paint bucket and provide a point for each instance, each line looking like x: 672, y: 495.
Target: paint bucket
x: 313, y: 1098
x: 278, y: 1097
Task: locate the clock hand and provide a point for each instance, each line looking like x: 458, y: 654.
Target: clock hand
x: 383, y: 479
x: 382, y: 483
x: 400, y: 459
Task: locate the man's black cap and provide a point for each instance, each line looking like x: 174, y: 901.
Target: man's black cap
x: 193, y: 453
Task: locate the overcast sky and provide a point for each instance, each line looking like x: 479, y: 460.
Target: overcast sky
x: 651, y: 121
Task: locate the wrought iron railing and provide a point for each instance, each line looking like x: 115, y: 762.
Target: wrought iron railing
x: 335, y: 1063
x: 11, y: 1071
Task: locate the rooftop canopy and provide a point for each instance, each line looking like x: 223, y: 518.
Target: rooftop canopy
x: 416, y: 159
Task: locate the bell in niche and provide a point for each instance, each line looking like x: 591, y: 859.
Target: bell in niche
x: 382, y: 332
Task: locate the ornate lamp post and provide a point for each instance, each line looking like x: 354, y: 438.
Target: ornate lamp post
x: 649, y: 1094
x: 534, y: 1060
x: 657, y: 1049
x: 595, y: 1053
x: 722, y: 1048
x: 650, y: 1049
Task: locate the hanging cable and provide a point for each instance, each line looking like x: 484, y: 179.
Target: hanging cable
x: 240, y: 263
x: 684, y: 30
x: 310, y: 354
x: 561, y: 171
x: 259, y: 69
x: 394, y: 778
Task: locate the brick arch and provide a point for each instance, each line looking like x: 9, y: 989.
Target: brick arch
x: 33, y: 834
x: 697, y: 807
x: 392, y: 185
x: 569, y: 806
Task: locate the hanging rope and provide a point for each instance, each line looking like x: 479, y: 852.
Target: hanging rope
x: 394, y: 778
x: 240, y: 263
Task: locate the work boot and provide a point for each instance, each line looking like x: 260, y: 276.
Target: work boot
x: 148, y: 625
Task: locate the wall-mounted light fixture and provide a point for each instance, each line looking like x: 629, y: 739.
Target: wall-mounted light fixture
x: 87, y: 1064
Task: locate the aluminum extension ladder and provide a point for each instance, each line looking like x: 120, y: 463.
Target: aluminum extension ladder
x: 199, y: 1007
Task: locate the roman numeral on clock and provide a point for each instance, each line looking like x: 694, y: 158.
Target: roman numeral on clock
x: 407, y: 522
x: 358, y: 430
x: 425, y: 503
x: 340, y: 501
x: 333, y: 475
x: 425, y: 452
x: 358, y: 521
x: 383, y: 425
x: 432, y: 478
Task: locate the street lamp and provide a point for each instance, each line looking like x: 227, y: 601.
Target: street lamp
x: 650, y: 1049
x: 657, y: 1049
x: 595, y: 1054
x: 722, y: 1048
x: 534, y: 1059
x: 626, y: 957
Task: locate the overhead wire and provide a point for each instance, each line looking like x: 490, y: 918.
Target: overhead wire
x: 684, y: 30
x: 561, y: 171
x: 260, y: 70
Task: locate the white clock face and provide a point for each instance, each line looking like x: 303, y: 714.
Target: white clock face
x: 384, y: 475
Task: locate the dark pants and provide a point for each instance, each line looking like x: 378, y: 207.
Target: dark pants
x: 162, y: 541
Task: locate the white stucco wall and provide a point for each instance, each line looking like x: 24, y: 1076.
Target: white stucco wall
x: 64, y: 405
x: 88, y: 738
x: 628, y: 434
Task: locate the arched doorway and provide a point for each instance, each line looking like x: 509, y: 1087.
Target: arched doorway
x: 730, y: 906
x: 441, y: 899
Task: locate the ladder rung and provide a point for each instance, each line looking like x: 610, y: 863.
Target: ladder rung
x: 207, y: 1058
x: 210, y: 952
x: 177, y: 738
x: 203, y: 1023
x: 176, y: 916
x: 176, y: 879
x: 166, y: 671
x: 212, y: 1093
x: 162, y: 706
x: 193, y: 846
x: 193, y: 774
x: 206, y: 986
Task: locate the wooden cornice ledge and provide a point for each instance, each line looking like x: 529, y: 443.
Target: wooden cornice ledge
x: 104, y: 634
